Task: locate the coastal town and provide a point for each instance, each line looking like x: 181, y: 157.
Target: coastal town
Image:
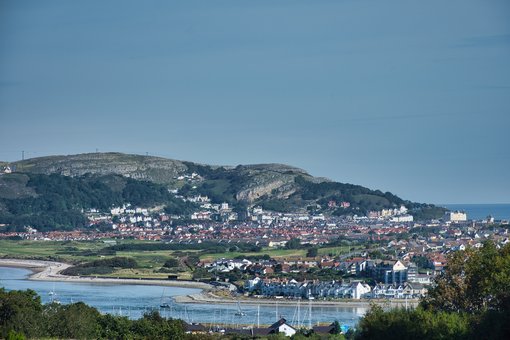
x: 254, y: 170
x: 317, y: 255
x: 389, y: 255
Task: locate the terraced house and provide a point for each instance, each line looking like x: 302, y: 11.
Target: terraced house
x: 310, y: 289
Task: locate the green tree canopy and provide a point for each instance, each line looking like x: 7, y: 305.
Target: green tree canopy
x: 293, y: 243
x: 475, y: 280
x: 312, y: 252
x: 21, y: 312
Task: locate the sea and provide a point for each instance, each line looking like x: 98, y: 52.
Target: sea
x: 481, y: 211
x: 134, y: 300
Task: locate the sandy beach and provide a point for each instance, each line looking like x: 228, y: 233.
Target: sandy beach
x: 50, y: 271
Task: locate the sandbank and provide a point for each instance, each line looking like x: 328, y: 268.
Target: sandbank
x: 50, y: 271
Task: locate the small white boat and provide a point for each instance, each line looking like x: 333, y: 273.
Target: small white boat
x: 239, y: 310
x: 53, y: 295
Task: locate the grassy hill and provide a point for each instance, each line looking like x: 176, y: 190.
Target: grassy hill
x: 275, y: 187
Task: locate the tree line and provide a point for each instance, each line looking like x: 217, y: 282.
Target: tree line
x: 23, y: 316
x: 209, y: 247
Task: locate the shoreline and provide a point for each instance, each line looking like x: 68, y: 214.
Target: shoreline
x: 50, y: 271
x: 209, y: 298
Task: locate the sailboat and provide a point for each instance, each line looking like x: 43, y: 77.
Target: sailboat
x: 239, y: 310
x: 165, y: 301
x: 53, y: 295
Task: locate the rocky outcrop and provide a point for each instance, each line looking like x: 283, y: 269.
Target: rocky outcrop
x: 154, y: 169
x: 268, y: 181
x: 272, y: 181
x: 257, y: 191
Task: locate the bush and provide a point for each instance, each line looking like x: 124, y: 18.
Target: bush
x: 412, y: 324
x: 171, y: 263
x: 101, y: 267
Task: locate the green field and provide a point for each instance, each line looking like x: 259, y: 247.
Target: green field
x: 149, y: 263
x: 48, y: 250
x: 71, y: 252
x: 274, y: 253
x: 339, y: 250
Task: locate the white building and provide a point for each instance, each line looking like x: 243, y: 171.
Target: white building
x: 6, y: 170
x: 360, y: 290
x: 402, y: 218
x: 455, y: 216
x: 281, y: 326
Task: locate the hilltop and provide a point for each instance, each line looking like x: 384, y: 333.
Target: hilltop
x: 82, y: 180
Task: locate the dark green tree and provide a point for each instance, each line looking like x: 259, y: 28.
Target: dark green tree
x: 153, y: 326
x: 412, y: 324
x: 293, y: 243
x: 312, y: 252
x: 171, y: 263
x: 336, y: 327
x: 74, y: 321
x: 21, y: 312
x: 114, y: 327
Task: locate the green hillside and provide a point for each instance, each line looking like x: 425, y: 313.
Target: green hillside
x: 56, y: 202
x: 99, y: 180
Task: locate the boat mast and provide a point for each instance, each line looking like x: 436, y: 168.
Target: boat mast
x: 258, y: 316
x: 309, y: 314
x: 298, y: 313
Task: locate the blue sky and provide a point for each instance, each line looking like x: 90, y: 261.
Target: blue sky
x: 411, y: 97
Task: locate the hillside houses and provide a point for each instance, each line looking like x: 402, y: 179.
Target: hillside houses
x: 217, y: 222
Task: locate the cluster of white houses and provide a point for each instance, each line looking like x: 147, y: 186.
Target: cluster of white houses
x: 393, y: 280
x: 334, y: 289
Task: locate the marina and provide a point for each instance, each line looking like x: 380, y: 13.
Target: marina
x: 133, y: 301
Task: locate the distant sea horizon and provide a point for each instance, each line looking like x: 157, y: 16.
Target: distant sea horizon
x: 500, y: 211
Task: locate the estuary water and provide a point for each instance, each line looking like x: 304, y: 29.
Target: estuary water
x: 134, y: 300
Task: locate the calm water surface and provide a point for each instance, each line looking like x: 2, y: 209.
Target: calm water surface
x: 133, y: 300
x: 481, y: 211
